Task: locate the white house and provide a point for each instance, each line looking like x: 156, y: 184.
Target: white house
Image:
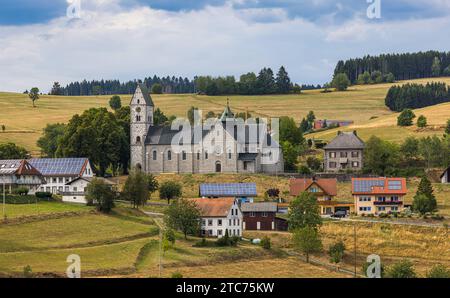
x: 218, y: 216
x: 445, y: 177
x: 57, y: 172
x: 19, y: 173
x: 75, y: 190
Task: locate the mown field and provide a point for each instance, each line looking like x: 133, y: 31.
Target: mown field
x: 126, y: 244
x: 362, y: 104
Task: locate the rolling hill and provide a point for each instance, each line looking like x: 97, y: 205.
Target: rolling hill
x: 362, y: 104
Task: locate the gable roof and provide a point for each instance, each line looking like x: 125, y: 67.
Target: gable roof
x: 214, y: 207
x: 89, y: 179
x: 227, y: 113
x: 17, y: 167
x: 259, y: 207
x: 60, y: 166
x: 346, y: 140
x: 228, y: 190
x: 328, y: 185
x: 443, y: 173
x: 145, y: 94
x: 379, y: 186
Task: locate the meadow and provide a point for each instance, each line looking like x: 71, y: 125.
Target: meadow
x: 362, y: 104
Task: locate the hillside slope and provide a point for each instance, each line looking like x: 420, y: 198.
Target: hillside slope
x: 24, y: 123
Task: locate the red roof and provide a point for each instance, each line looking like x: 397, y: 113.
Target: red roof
x: 26, y: 169
x: 379, y: 186
x: 214, y: 207
x: 328, y: 186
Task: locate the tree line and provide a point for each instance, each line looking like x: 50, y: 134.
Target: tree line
x: 404, y: 66
x: 266, y: 82
x: 414, y: 96
x: 109, y: 87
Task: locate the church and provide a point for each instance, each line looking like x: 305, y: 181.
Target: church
x: 228, y: 145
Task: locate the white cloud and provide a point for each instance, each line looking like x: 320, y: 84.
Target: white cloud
x: 112, y: 43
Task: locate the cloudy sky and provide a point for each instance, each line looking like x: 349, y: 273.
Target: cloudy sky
x: 128, y: 39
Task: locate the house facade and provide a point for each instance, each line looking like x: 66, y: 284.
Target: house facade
x: 445, y: 177
x: 218, y: 216
x: 325, y: 190
x: 19, y: 173
x: 259, y: 216
x: 58, y: 172
x: 243, y: 192
x: 75, y: 190
x: 224, y: 146
x: 378, y: 195
x: 344, y: 153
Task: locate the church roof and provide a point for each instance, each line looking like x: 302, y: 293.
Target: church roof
x: 227, y: 113
x: 146, y: 94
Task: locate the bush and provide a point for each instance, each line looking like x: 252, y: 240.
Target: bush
x: 265, y: 243
x: 44, y: 195
x: 402, y: 269
x: 336, y: 252
x: 304, y: 170
x: 340, y: 82
x: 406, y: 118
x: 27, y: 271
x: 439, y: 271
x: 421, y: 121
x: 22, y: 191
x: 20, y: 200
x: 227, y: 240
x: 177, y: 275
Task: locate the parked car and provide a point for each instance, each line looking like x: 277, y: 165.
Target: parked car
x: 339, y: 214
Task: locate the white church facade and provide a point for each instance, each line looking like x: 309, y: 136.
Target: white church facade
x: 214, y: 148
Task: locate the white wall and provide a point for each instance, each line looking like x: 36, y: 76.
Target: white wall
x: 232, y: 222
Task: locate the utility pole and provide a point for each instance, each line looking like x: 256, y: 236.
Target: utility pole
x: 354, y: 244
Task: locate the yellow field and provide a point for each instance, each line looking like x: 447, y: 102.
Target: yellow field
x: 24, y: 123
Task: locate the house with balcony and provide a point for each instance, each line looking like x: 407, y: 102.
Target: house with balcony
x: 325, y: 190
x: 378, y: 195
x: 344, y: 153
x: 218, y: 216
x: 19, y: 173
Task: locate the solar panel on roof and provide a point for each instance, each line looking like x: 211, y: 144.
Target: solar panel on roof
x: 366, y: 185
x: 395, y: 185
x: 228, y: 189
x: 58, y: 166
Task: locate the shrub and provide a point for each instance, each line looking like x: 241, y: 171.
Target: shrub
x: 340, y: 82
x: 406, y: 118
x: 227, y: 240
x: 421, y: 121
x: 265, y: 243
x: 304, y: 170
x: 336, y: 252
x: 27, y: 271
x: 439, y: 271
x: 44, y: 195
x: 177, y: 275
x: 22, y: 191
x: 402, y: 269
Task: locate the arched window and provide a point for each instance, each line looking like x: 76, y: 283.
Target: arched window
x: 198, y: 155
x: 218, y: 167
x: 206, y: 154
x: 169, y: 155
x: 155, y: 156
x: 229, y: 154
x: 184, y: 155
x: 138, y: 139
x: 138, y: 101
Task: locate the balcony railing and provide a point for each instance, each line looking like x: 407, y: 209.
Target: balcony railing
x: 71, y: 193
x: 388, y: 203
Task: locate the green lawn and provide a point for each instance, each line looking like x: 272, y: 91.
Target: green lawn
x: 41, y: 208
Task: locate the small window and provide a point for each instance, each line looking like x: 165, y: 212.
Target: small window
x: 229, y: 154
x: 169, y: 155
x: 219, y: 222
x: 332, y: 165
x: 198, y: 155
x: 252, y: 214
x: 210, y: 222
x: 332, y: 154
x: 265, y: 214
x: 206, y: 154
x: 155, y: 155
x: 355, y: 154
x: 184, y: 155
x: 138, y: 140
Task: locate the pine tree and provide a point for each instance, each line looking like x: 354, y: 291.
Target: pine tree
x: 436, y: 67
x: 283, y: 81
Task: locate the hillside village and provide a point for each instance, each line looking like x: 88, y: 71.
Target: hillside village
x: 232, y: 210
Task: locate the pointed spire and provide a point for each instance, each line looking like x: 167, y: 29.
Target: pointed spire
x: 227, y: 113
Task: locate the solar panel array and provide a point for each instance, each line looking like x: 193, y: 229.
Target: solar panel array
x: 58, y: 166
x: 394, y: 185
x: 228, y: 190
x: 366, y: 185
x: 9, y: 166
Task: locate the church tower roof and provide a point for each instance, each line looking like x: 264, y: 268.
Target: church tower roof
x: 146, y: 94
x: 227, y: 113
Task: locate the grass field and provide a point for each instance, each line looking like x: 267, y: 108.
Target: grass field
x: 24, y: 123
x: 42, y: 208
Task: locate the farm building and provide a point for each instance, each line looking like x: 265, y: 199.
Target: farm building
x: 75, y: 190
x: 445, y: 177
x: 218, y: 216
x: 243, y: 192
x: 319, y: 124
x: 259, y: 216
x: 19, y: 173
x: 378, y: 195
x: 325, y: 190
x: 60, y: 171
